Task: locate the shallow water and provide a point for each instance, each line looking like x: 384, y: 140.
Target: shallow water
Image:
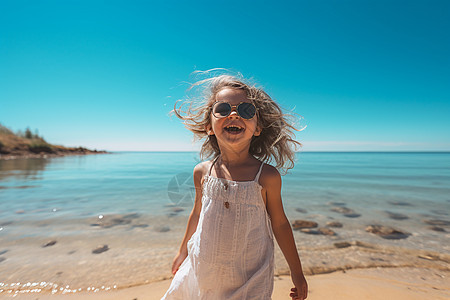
x: 137, y: 204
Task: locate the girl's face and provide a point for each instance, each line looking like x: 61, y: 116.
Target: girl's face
x: 225, y: 128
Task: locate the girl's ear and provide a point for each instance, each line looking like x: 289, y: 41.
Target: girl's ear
x: 257, y: 131
x: 209, y: 129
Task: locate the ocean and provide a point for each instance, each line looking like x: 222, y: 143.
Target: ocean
x: 54, y: 212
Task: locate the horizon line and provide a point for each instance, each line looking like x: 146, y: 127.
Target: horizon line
x: 337, y: 151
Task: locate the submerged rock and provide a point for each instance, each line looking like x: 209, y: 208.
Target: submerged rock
x: 387, y: 232
x: 335, y: 224
x: 100, y: 249
x: 326, y: 231
x: 337, y: 203
x: 437, y: 222
x: 162, y: 228
x: 354, y: 215
x: 396, y: 216
x: 342, y: 245
x: 400, y: 203
x: 111, y: 221
x: 176, y: 209
x: 436, y: 228
x: 139, y: 226
x: 131, y: 216
x: 299, y: 224
x: 301, y: 210
x: 343, y: 210
x: 309, y: 231
x: 49, y: 243
x: 347, y: 212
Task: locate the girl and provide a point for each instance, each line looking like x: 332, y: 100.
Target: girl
x: 227, y: 251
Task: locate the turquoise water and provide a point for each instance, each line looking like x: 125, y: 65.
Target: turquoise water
x: 149, y: 182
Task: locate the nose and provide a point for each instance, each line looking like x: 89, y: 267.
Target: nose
x: 233, y: 113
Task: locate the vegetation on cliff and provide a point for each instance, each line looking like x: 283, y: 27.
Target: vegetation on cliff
x: 29, y: 144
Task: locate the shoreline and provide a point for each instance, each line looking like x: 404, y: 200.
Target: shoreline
x: 50, y: 155
x: 66, y: 256
x: 67, y: 268
x: 369, y: 283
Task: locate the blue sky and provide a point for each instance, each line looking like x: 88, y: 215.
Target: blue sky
x: 366, y: 75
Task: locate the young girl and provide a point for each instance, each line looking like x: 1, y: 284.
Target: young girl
x: 227, y: 251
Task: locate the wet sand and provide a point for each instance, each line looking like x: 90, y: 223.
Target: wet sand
x: 370, y: 284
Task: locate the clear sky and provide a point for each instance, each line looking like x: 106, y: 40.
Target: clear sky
x: 366, y: 75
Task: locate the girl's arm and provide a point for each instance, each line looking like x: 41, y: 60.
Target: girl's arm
x: 283, y: 231
x: 193, y: 218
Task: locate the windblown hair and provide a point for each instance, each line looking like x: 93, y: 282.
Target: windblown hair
x: 275, y: 143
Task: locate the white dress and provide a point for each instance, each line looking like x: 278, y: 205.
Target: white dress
x: 231, y: 253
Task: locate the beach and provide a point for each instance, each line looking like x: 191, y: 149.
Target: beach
x: 370, y: 284
x: 105, y: 228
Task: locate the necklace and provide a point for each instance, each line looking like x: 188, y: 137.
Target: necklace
x: 225, y: 187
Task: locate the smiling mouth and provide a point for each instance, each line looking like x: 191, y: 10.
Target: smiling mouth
x: 233, y: 129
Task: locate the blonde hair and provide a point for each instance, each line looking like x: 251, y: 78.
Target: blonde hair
x: 276, y: 141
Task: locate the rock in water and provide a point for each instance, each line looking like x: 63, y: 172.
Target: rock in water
x: 437, y: 228
x: 301, y: 210
x: 309, y: 231
x: 177, y: 209
x: 396, y: 216
x: 343, y: 210
x: 335, y: 224
x: 387, y: 232
x: 100, y: 249
x: 162, y: 228
x: 299, y: 224
x: 342, y: 245
x: 326, y: 231
x: 48, y: 244
x: 337, y: 203
x: 400, y: 203
x: 437, y: 222
x: 347, y: 212
x: 111, y: 221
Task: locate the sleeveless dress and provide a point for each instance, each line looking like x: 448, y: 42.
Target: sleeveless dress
x: 231, y: 253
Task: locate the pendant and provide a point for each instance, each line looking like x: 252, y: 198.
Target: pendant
x: 227, y: 204
x: 225, y: 186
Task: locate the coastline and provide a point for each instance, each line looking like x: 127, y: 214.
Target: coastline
x: 51, y: 155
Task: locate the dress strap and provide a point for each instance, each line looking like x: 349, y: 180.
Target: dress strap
x: 210, y: 168
x: 259, y: 172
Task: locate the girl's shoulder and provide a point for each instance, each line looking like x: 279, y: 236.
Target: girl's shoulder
x: 202, y: 169
x: 269, y: 176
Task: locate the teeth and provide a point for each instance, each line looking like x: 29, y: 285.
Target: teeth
x: 234, y: 126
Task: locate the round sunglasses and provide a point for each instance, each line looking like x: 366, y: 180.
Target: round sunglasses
x: 245, y: 110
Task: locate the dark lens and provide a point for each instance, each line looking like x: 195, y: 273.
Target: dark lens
x: 246, y: 110
x: 221, y: 109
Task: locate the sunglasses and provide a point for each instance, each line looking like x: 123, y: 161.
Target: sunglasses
x: 245, y: 110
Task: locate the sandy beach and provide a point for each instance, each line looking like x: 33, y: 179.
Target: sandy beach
x: 370, y: 284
